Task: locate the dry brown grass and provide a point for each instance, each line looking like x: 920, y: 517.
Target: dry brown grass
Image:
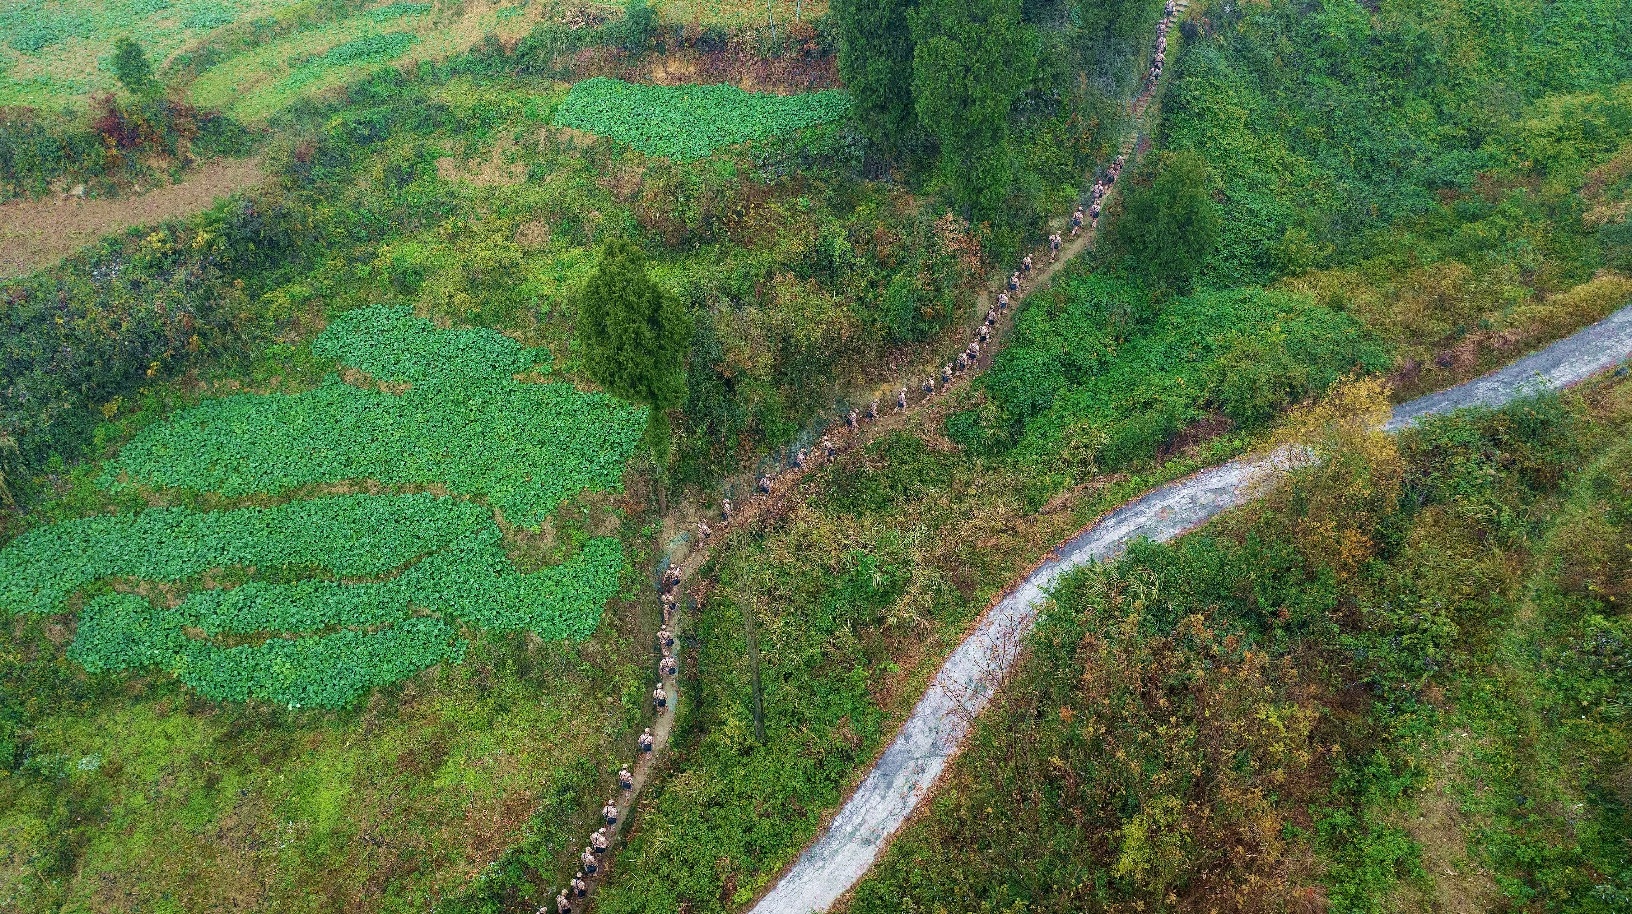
x: 37, y: 233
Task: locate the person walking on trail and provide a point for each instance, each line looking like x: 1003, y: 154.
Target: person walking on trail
x: 562, y: 905
x: 901, y: 400
x: 851, y: 419
x: 726, y: 510
x: 799, y: 459
x: 1003, y: 301
x: 764, y: 485
x: 580, y: 888
x: 1014, y: 282
x: 667, y: 666
x: 946, y: 374
x: 587, y: 858
x: 665, y: 637
x: 646, y: 742
x: 963, y: 360
x: 872, y: 410
x: 827, y: 447
x: 1095, y: 211
x: 626, y: 780
x: 984, y: 334
x: 1025, y: 265
x: 1076, y: 221
x: 1053, y: 247
x: 660, y: 698
x: 1169, y: 8
x: 703, y: 531
x: 928, y: 387
x: 598, y: 842
x: 609, y: 812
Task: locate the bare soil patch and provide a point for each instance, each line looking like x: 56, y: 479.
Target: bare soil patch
x: 38, y: 233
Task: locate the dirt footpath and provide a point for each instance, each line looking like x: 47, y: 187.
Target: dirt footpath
x: 38, y: 233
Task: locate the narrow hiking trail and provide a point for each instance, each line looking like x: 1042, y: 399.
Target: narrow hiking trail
x: 687, y: 553
x: 904, y: 775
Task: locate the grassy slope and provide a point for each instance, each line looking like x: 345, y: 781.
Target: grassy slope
x: 448, y: 195
x: 128, y: 791
x: 1394, y: 654
x: 1120, y: 384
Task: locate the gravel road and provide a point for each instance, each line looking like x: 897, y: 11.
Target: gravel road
x: 906, y: 772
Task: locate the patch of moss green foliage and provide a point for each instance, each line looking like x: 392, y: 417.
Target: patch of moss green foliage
x: 347, y: 535
x: 121, y: 632
x: 1097, y: 373
x: 454, y: 568
x: 690, y: 122
x: 464, y: 420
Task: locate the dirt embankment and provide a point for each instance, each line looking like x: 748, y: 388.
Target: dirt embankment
x: 37, y: 233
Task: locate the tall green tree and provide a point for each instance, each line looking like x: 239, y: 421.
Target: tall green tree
x: 634, y: 337
x: 875, y: 61
x: 130, y: 65
x: 1169, y: 226
x: 971, y: 60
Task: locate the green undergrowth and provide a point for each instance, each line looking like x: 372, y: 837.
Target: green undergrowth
x: 464, y: 421
x: 1097, y: 376
x: 690, y: 122
x: 1451, y: 177
x: 1395, y: 681
x: 848, y: 606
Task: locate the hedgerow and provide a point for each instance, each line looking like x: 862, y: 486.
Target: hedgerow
x: 690, y: 122
x: 464, y: 422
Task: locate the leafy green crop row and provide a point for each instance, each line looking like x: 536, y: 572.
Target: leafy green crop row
x: 691, y: 122
x: 123, y: 632
x: 466, y: 576
x: 473, y: 582
x: 348, y: 535
x: 465, y: 422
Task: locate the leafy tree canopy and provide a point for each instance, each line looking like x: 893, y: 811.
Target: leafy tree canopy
x: 1170, y: 225
x: 130, y: 65
x: 634, y: 337
x: 971, y: 60
x: 875, y: 60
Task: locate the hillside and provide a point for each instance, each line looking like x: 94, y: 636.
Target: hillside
x: 335, y: 513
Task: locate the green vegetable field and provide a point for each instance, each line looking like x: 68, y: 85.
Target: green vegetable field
x: 324, y: 642
x: 464, y: 420
x: 691, y: 122
x: 340, y: 594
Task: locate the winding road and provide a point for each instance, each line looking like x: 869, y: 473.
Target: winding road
x: 906, y: 772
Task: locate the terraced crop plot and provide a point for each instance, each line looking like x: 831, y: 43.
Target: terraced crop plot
x: 322, y: 641
x: 691, y: 122
x: 315, y: 602
x: 463, y: 421
x: 56, y: 52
